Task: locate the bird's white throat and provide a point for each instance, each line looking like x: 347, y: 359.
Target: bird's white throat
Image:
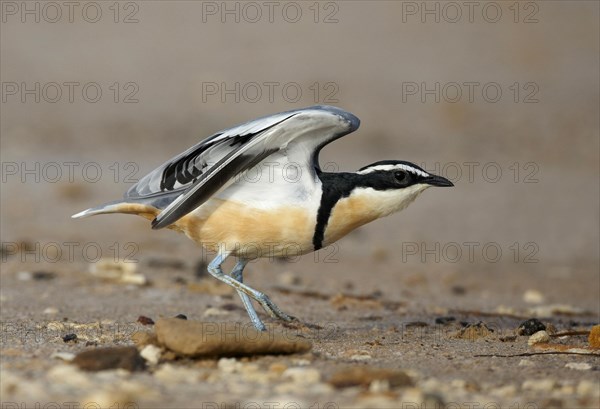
x: 385, y: 202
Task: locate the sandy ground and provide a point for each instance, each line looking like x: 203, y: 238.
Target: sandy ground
x: 517, y: 237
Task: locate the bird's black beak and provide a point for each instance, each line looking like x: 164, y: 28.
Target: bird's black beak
x: 435, y: 180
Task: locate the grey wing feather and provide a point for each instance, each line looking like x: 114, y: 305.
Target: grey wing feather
x: 192, y: 177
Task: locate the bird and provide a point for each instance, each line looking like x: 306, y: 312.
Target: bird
x: 257, y: 190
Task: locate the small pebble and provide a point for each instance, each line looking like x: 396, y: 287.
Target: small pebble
x: 120, y: 271
x: 145, y: 320
x: 43, y: 275
x: 538, y: 338
x: 24, y: 276
x: 151, y: 353
x: 594, y: 337
x: 533, y: 297
x: 50, y: 311
x: 539, y: 385
x: 181, y: 317
x: 65, y: 356
x: 229, y: 365
x: 135, y: 279
x: 530, y: 327
x: 444, y: 320
x: 302, y: 375
x: 214, y: 312
x: 508, y: 338
x: 69, y: 337
x: 580, y: 366
x: 554, y: 309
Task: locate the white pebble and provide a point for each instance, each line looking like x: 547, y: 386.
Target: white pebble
x: 540, y: 385
x: 379, y: 386
x: 24, y: 275
x: 214, y: 312
x: 151, y: 353
x: 538, y: 337
x: 65, y: 356
x: 229, y: 365
x: 580, y: 366
x: 302, y: 375
x: 135, y: 279
x: 533, y: 297
x: 51, y: 311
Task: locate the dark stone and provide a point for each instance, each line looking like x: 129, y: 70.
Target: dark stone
x: 530, y: 327
x: 181, y: 317
x: 43, y: 275
x: 444, y: 320
x: 418, y: 324
x: 166, y: 263
x: 69, y: 337
x: 100, y: 359
x: 145, y: 320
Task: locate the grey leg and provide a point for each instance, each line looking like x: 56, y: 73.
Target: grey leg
x: 237, y: 274
x: 214, y: 268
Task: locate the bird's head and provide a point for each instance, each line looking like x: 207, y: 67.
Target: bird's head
x: 394, y: 184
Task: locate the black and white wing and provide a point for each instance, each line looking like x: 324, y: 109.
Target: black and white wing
x: 191, y: 178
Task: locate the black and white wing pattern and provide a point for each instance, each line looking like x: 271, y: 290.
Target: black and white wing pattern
x: 188, y: 180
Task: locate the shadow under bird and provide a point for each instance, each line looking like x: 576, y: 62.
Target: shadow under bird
x: 256, y: 190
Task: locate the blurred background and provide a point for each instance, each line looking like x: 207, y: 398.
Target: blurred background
x: 500, y: 97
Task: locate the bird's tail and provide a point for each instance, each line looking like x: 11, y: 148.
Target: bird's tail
x: 119, y: 206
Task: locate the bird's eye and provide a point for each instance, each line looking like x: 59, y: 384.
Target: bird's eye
x: 400, y: 176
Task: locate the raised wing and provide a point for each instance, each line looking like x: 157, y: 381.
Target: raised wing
x: 195, y: 175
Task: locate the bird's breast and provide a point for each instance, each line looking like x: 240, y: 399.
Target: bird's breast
x: 348, y: 214
x: 251, y: 232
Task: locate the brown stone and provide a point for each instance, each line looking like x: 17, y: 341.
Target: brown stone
x: 99, y: 359
x: 203, y: 339
x: 594, y: 337
x: 363, y: 376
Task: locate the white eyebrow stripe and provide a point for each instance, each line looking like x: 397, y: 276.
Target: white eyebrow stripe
x: 394, y: 167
